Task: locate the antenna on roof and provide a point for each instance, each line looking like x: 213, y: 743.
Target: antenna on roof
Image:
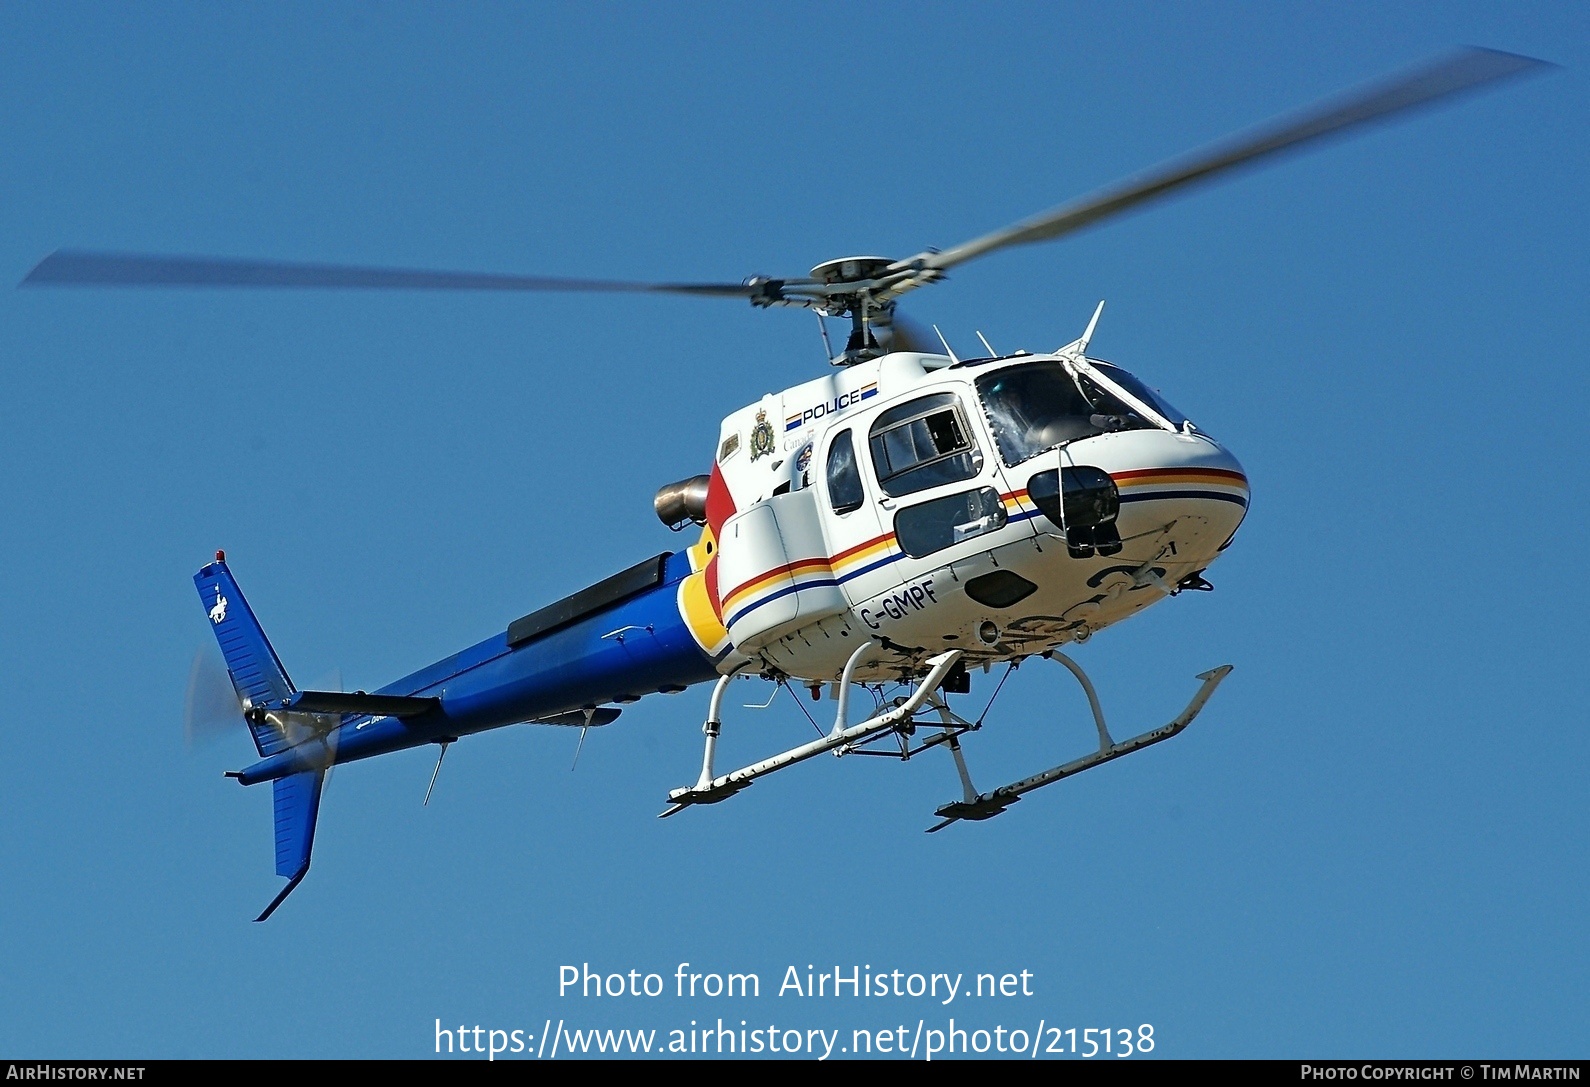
x: 948, y: 350
x: 1079, y: 348
x: 828, y: 348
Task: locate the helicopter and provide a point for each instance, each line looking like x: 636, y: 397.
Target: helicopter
x: 895, y: 524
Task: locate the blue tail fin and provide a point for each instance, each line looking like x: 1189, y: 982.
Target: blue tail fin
x: 297, y: 808
x: 257, y: 673
x: 259, y: 679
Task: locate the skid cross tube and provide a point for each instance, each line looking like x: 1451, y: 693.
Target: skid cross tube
x: 953, y: 726
x: 721, y: 788
x: 988, y: 805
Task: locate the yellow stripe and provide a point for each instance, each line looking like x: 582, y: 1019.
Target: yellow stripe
x: 864, y: 555
x: 702, y: 550
x: 1171, y: 479
x: 811, y: 569
x: 698, y: 615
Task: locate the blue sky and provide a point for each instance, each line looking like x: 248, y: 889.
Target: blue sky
x: 1373, y: 843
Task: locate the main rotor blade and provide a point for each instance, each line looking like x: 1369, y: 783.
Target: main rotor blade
x: 1464, y: 70
x: 67, y: 267
x: 904, y: 334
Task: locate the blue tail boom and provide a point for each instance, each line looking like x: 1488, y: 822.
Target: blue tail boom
x: 566, y: 664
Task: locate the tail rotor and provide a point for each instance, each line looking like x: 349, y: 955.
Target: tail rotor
x: 210, y: 708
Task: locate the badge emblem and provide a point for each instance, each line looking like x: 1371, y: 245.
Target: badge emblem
x: 762, y: 440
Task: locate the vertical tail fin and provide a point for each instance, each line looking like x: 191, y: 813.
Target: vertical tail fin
x: 297, y: 808
x: 257, y: 673
x: 259, y: 679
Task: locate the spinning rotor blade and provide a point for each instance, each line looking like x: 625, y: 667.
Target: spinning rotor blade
x: 68, y: 267
x: 864, y: 287
x: 210, y: 708
x: 901, y: 333
x: 331, y: 681
x: 1464, y: 70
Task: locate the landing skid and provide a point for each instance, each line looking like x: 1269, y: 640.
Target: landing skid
x: 900, y: 720
x: 979, y: 806
x: 709, y: 789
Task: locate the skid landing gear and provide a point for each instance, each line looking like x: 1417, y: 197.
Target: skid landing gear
x: 978, y: 806
x: 710, y: 789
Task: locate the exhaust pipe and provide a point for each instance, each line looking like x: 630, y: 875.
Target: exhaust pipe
x: 683, y: 503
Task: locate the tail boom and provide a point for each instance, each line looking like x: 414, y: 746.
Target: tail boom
x: 617, y: 654
x: 630, y: 641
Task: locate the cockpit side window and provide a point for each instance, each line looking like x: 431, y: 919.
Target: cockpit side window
x: 844, y: 478
x: 923, y: 443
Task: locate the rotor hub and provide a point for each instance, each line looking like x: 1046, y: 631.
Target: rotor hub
x: 851, y: 269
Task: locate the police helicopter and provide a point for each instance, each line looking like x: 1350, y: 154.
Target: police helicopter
x: 892, y: 525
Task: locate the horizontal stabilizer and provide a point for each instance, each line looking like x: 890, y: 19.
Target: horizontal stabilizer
x: 372, y: 705
x: 578, y: 718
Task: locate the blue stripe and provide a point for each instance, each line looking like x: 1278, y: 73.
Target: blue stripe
x: 871, y: 568
x: 768, y: 599
x: 742, y: 613
x: 1219, y: 496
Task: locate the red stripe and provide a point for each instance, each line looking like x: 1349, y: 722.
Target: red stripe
x: 847, y: 552
x: 792, y: 569
x: 720, y: 503
x: 1172, y: 473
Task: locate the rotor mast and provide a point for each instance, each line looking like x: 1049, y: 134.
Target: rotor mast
x: 855, y: 279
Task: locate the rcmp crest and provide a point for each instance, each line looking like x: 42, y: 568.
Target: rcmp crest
x: 762, y: 439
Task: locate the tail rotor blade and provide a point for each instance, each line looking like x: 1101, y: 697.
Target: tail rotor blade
x: 211, y: 708
x: 331, y: 681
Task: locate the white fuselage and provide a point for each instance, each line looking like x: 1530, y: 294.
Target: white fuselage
x: 917, y: 505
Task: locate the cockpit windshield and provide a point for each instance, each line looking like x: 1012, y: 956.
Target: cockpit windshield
x: 1038, y: 406
x: 1137, y: 388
